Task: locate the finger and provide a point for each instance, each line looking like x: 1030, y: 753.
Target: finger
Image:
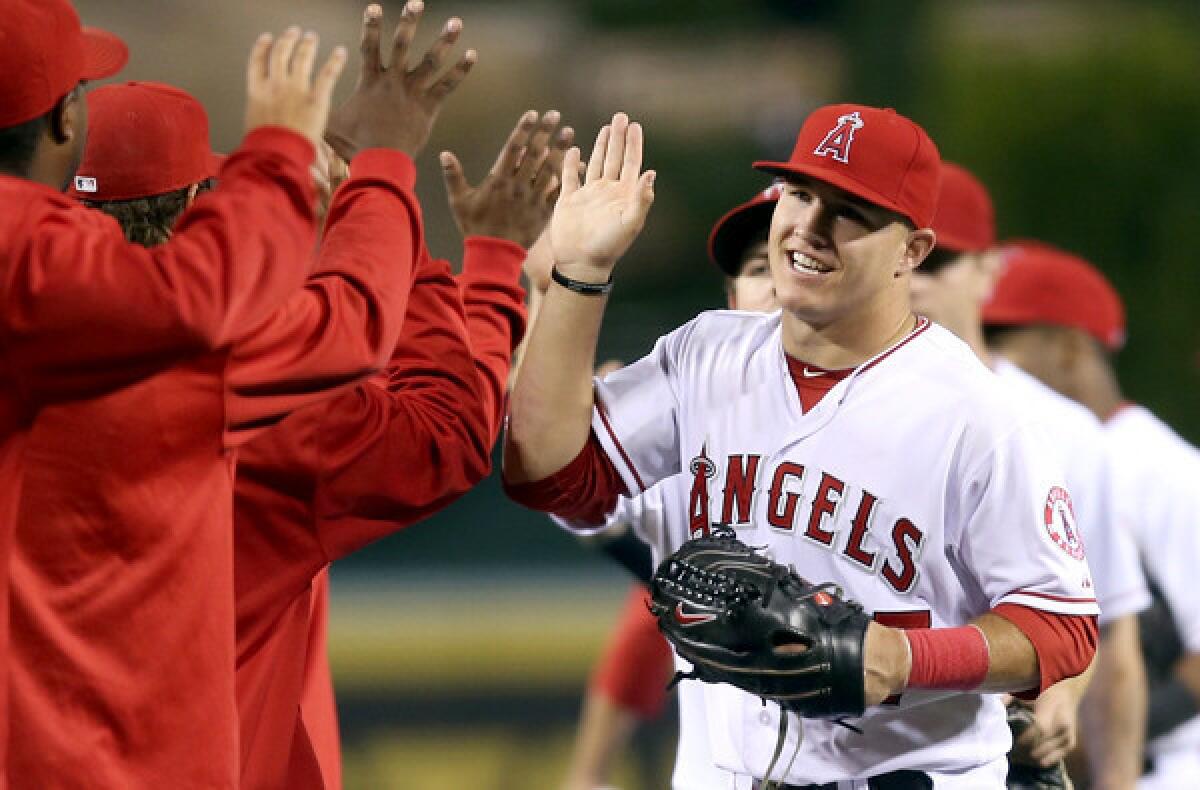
x: 570, y: 174
x: 631, y: 167
x: 281, y: 54
x: 595, y: 167
x: 405, y: 30
x: 256, y: 68
x: 536, y: 155
x: 514, y: 147
x: 446, y: 85
x: 615, y: 154
x: 546, y: 182
x: 453, y: 176
x: 368, y: 45
x: 423, y: 74
x: 645, y: 193
x: 302, y: 62
x: 328, y: 76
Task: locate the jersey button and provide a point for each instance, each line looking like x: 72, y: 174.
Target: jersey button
x: 764, y: 718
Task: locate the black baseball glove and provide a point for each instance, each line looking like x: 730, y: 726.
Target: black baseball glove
x: 726, y: 608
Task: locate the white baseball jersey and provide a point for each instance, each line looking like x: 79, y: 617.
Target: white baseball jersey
x: 914, y: 484
x: 1085, y: 455
x: 1159, y: 503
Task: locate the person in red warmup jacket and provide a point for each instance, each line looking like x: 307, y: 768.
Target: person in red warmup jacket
x: 122, y: 610
x: 334, y: 477
x: 85, y: 311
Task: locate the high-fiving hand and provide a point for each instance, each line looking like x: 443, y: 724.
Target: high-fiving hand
x: 393, y: 106
x: 280, y: 89
x: 595, y: 222
x: 516, y: 198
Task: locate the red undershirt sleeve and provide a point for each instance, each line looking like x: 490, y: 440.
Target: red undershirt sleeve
x: 585, y: 489
x: 1064, y: 643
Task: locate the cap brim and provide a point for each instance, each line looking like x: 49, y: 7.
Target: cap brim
x: 839, y: 180
x: 103, y: 54
x: 731, y: 235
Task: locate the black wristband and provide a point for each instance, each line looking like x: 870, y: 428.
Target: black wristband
x: 580, y: 287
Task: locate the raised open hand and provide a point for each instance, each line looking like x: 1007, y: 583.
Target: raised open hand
x: 516, y: 198
x: 594, y: 223
x: 280, y: 89
x: 394, y: 106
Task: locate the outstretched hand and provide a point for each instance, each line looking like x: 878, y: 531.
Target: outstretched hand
x: 595, y: 222
x: 516, y: 198
x: 394, y: 106
x: 281, y: 89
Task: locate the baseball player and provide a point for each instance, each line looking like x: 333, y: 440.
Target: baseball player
x: 334, y: 477
x: 859, y: 443
x: 951, y: 287
x: 629, y: 683
x: 1056, y: 316
x: 124, y: 538
x: 86, y: 311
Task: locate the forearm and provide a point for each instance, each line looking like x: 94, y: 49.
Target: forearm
x: 1113, y: 713
x: 604, y: 729
x: 551, y: 406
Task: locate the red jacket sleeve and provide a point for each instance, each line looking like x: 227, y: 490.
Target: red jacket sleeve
x: 406, y: 446
x: 84, y: 310
x: 495, y: 308
x: 342, y: 325
x: 636, y: 665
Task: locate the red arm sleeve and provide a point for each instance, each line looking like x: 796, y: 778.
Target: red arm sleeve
x: 585, y: 489
x: 495, y: 308
x: 81, y: 304
x: 636, y: 665
x: 1064, y: 643
x: 344, y: 323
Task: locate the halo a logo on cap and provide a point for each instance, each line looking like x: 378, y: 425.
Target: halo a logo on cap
x: 86, y: 184
x: 837, y: 142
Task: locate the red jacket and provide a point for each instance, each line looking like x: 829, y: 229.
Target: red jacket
x: 83, y: 311
x: 330, y: 479
x: 122, y: 596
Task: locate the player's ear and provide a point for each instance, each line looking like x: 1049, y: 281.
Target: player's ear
x: 916, y: 248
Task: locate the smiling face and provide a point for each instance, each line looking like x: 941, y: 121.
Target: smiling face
x: 836, y: 257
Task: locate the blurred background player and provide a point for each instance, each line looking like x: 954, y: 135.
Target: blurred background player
x: 148, y: 520
x: 629, y: 683
x: 951, y: 287
x: 1057, y: 317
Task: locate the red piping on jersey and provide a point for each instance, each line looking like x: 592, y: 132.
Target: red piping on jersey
x: 612, y: 435
x: 1048, y: 596
x: 922, y: 325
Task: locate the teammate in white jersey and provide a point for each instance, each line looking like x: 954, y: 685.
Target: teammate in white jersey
x: 859, y: 443
x: 951, y: 287
x: 629, y: 680
x: 1056, y: 316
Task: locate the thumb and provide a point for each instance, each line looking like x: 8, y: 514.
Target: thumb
x: 452, y: 175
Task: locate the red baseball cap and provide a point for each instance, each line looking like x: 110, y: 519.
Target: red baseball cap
x: 45, y: 53
x: 965, y: 220
x: 732, y: 234
x: 144, y: 139
x: 1041, y: 284
x: 878, y: 155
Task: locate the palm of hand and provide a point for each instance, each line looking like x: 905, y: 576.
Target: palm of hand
x: 596, y: 224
